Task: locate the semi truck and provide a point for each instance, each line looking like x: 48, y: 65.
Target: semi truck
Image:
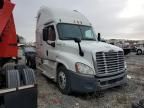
x: 70, y: 53
x: 17, y: 81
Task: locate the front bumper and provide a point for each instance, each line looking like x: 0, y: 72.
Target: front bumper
x: 86, y: 84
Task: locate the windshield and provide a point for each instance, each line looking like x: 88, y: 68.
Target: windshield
x: 69, y: 31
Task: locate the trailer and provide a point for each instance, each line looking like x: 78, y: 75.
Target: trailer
x: 18, y: 88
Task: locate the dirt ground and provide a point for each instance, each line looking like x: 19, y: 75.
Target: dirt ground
x: 119, y: 97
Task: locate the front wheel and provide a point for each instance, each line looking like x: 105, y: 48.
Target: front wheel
x: 63, y: 80
x: 139, y: 51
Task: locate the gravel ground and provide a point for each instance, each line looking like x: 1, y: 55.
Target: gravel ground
x: 118, y: 97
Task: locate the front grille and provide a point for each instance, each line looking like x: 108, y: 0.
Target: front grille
x: 109, y: 62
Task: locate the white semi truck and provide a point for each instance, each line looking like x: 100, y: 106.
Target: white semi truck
x: 70, y: 53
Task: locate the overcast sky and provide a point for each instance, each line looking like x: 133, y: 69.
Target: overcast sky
x: 112, y: 18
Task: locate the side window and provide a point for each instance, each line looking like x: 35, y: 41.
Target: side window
x: 49, y: 33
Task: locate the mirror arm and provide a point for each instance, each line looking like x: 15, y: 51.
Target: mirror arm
x: 99, y: 37
x: 51, y: 44
x: 81, y: 53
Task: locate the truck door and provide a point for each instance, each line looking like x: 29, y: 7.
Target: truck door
x: 49, y: 61
x: 50, y: 43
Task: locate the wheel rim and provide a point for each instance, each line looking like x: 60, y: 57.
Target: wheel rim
x: 62, y: 80
x: 139, y: 52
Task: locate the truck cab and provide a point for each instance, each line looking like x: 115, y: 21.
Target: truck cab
x: 70, y: 53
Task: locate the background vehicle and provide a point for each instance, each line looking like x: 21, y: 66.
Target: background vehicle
x: 69, y: 52
x: 17, y: 81
x: 30, y: 54
x: 125, y: 46
x: 140, y: 49
x: 21, y: 55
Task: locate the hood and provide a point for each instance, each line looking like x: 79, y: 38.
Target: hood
x: 99, y: 46
x: 92, y: 46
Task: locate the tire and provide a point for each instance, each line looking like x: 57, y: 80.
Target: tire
x: 12, y: 79
x: 33, y: 64
x: 28, y: 76
x: 63, y: 80
x: 30, y: 62
x: 9, y: 66
x: 137, y: 106
x: 20, y: 68
x: 139, y: 51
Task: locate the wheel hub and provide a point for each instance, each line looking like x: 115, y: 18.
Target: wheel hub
x: 62, y: 80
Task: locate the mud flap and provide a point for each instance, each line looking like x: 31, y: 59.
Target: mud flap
x: 23, y: 97
x: 21, y: 88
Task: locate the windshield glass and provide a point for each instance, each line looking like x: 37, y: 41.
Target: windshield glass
x: 70, y: 31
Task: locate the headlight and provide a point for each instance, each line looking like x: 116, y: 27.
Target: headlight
x: 82, y: 68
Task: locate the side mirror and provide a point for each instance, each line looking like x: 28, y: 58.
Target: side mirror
x: 45, y: 35
x: 99, y: 37
x: 1, y: 4
x: 51, y: 43
x: 77, y: 40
